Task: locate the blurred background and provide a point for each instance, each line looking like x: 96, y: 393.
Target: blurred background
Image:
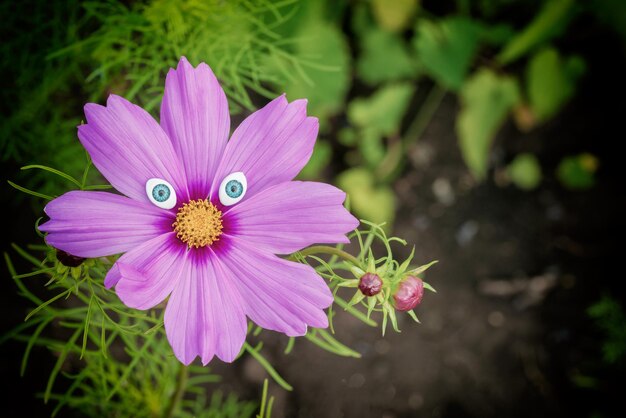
x: 484, y: 132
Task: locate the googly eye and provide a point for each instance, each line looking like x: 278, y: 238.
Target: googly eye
x: 233, y: 188
x: 161, y: 193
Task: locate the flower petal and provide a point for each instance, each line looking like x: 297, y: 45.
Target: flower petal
x: 146, y: 275
x: 97, y: 224
x: 293, y: 215
x: 194, y: 114
x: 129, y: 147
x: 204, y: 315
x: 270, y: 146
x: 277, y: 294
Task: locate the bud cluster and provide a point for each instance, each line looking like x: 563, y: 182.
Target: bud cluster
x: 385, y: 285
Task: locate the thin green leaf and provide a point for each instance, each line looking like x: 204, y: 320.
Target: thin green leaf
x: 53, y: 171
x: 355, y: 312
x: 30, y: 192
x: 46, y: 303
x: 268, y: 367
x: 66, y: 348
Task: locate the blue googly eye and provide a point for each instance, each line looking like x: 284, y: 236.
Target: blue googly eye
x: 161, y: 193
x: 233, y: 188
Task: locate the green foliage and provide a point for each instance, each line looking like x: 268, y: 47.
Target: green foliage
x: 394, y: 15
x: 577, y: 172
x: 376, y: 118
x: 525, y: 171
x: 319, y: 42
x: 383, y: 111
x: 446, y: 48
x: 551, y: 81
x: 369, y: 200
x: 486, y: 101
x: 380, y: 48
x: 549, y: 22
x: 75, y: 52
x: 611, y: 320
x: 235, y: 37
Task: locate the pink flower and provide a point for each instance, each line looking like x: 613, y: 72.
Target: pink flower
x: 202, y: 217
x: 409, y: 293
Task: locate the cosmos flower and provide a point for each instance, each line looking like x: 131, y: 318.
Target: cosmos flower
x: 201, y: 218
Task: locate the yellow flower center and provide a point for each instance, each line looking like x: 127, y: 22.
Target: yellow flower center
x: 198, y: 223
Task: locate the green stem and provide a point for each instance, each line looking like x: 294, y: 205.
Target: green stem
x: 392, y: 164
x: 425, y: 114
x: 324, y: 249
x: 181, y: 385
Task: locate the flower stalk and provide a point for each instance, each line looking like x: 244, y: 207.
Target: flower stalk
x: 179, y: 391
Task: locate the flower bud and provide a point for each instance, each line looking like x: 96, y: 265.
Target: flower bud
x: 68, y: 259
x: 370, y: 284
x: 409, y: 293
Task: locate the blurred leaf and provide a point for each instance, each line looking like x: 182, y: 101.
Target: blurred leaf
x: 497, y: 34
x: 322, y: 154
x: 394, y: 15
x: 486, y: 100
x: 380, y: 48
x: 371, y: 145
x: 612, y: 13
x: 584, y: 381
x: 383, y: 111
x: 549, y: 22
x: 525, y: 171
x: 446, y: 48
x: 361, y: 19
x: 578, y: 172
x: 551, y: 81
x: 347, y: 136
x: 611, y: 319
x: 327, y: 81
x: 377, y: 204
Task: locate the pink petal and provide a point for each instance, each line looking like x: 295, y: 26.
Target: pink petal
x: 204, y: 315
x: 129, y: 147
x: 194, y: 114
x: 293, y: 215
x: 146, y: 275
x: 270, y: 146
x: 277, y: 294
x: 97, y: 224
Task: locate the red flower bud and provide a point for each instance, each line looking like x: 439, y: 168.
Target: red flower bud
x: 370, y: 284
x: 68, y: 259
x: 409, y: 293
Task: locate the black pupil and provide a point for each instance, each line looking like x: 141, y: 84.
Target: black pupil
x: 233, y: 188
x: 161, y: 193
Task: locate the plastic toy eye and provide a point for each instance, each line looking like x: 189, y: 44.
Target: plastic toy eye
x: 233, y: 188
x: 161, y: 193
